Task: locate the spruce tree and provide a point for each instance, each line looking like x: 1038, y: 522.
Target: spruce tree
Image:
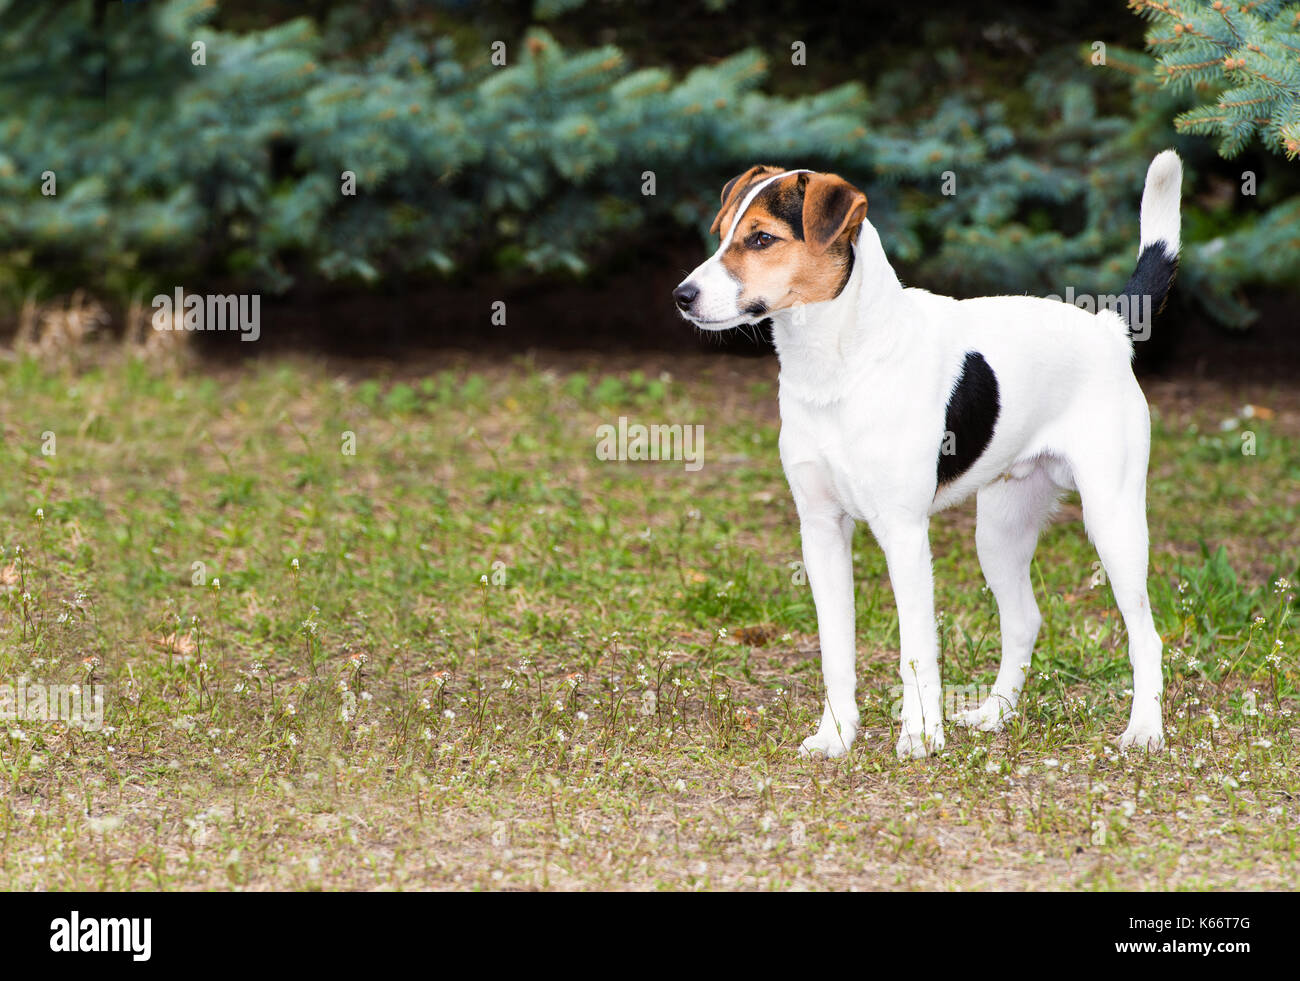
x: 1244, y: 55
x: 533, y: 157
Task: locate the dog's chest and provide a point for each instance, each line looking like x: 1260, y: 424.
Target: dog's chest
x: 860, y: 452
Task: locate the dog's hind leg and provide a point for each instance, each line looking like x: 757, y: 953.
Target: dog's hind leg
x: 1118, y: 528
x: 1114, y: 513
x: 1009, y: 514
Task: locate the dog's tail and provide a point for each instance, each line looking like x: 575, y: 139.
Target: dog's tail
x: 1157, y: 263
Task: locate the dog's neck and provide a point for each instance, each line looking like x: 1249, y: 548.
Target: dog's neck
x: 823, y: 346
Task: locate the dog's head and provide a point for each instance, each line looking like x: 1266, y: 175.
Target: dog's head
x: 786, y: 240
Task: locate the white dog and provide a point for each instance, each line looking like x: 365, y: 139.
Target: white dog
x: 896, y: 403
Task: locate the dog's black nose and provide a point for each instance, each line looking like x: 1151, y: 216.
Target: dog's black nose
x: 685, y: 295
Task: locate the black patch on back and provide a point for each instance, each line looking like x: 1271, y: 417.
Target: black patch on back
x: 972, y: 413
x: 1153, y: 276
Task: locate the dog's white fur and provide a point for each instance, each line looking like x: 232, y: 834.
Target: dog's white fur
x: 864, y: 383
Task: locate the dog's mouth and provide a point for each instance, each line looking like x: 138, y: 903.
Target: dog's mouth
x: 753, y: 314
x: 731, y: 323
x: 740, y: 321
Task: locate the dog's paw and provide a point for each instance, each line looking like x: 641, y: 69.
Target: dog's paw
x: 1145, y: 736
x: 918, y: 744
x: 829, y: 742
x: 989, y: 717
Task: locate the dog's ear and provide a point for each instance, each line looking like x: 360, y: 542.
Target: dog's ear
x: 733, y: 189
x: 831, y: 207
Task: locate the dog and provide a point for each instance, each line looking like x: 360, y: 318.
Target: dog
x: 896, y: 403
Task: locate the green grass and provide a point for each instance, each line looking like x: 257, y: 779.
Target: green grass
x: 471, y: 655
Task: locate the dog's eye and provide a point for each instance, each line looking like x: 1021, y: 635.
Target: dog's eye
x: 760, y: 240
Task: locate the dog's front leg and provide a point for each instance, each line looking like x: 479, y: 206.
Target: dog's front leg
x: 907, y: 552
x: 827, y: 533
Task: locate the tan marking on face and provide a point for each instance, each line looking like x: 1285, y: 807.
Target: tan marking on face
x: 793, y: 270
